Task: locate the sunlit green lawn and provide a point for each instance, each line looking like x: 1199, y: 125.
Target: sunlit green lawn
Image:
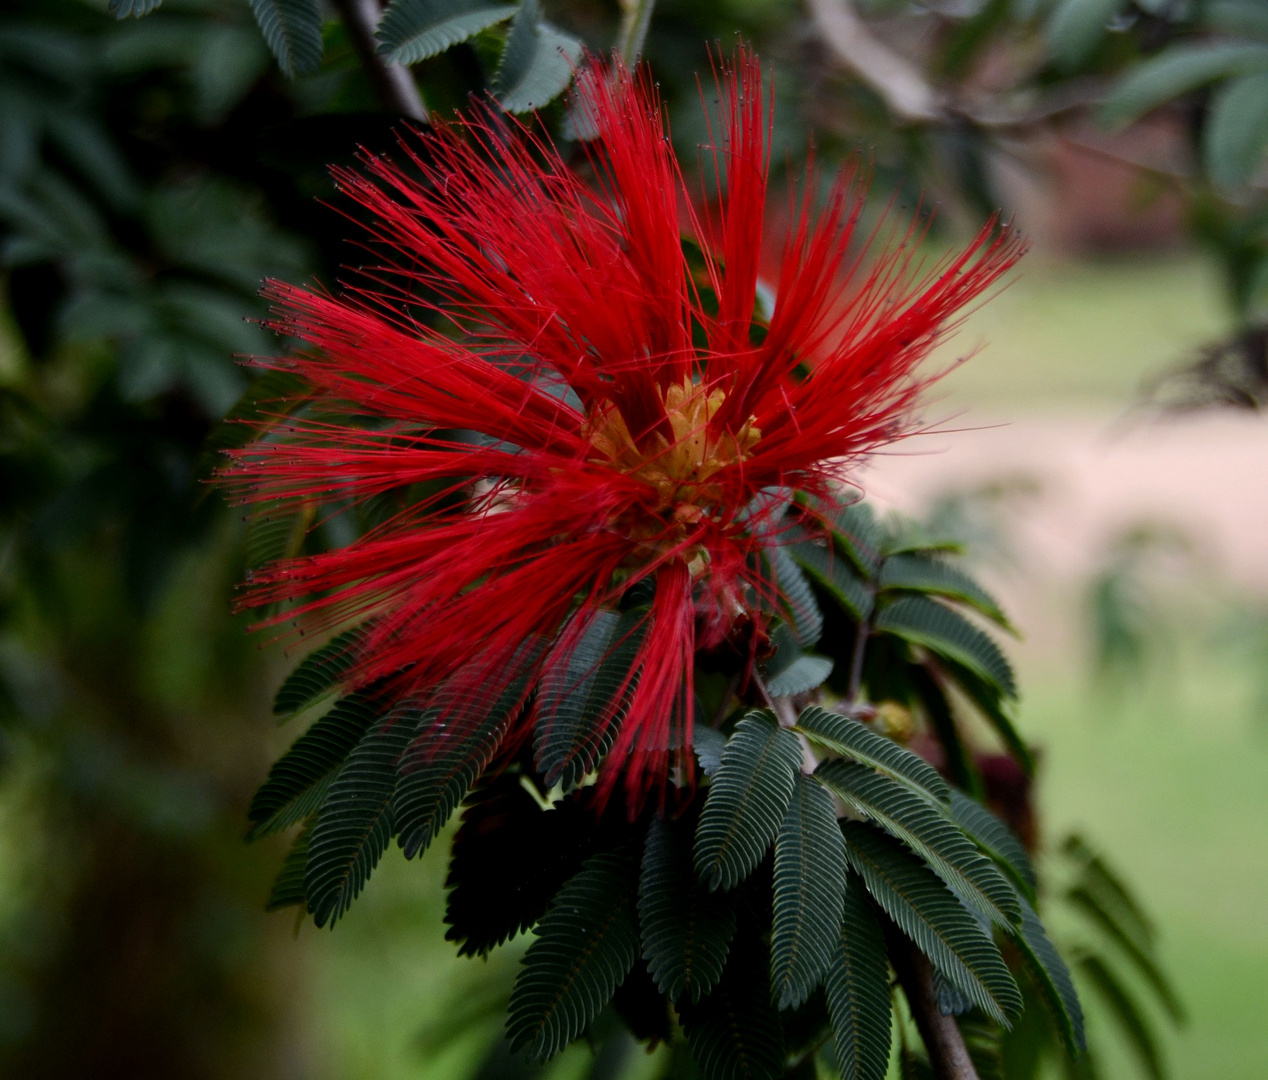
x: 1067, y: 336
x: 1170, y: 780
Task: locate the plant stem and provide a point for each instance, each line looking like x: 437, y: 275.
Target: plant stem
x: 948, y: 1056
x: 394, y: 84
x: 856, y: 663
x: 636, y: 17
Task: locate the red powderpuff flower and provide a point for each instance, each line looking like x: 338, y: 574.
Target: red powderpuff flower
x: 623, y: 426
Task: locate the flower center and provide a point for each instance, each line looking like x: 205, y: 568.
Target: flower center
x: 679, y: 472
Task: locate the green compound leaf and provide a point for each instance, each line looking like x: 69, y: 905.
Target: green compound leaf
x: 929, y: 913
x: 834, y: 573
x: 585, y: 690
x: 354, y: 825
x: 537, y: 62
x: 275, y: 531
x: 1087, y: 902
x: 271, y: 396
x: 509, y: 859
x: 1053, y: 979
x: 288, y: 886
x: 747, y: 800
x: 1077, y: 26
x: 1127, y: 1010
x: 929, y: 831
x: 1177, y: 70
x: 413, y: 30
x: 582, y: 950
x: 708, y: 744
x: 1097, y: 877
x: 133, y: 9
x: 1236, y: 135
x: 1237, y: 18
x: 735, y: 1033
x: 948, y: 634
x: 857, y: 985
x: 292, y: 29
x: 921, y: 574
x: 996, y: 839
x: 989, y: 700
x: 846, y: 736
x: 860, y: 536
x: 930, y: 692
x: 809, y: 892
x: 803, y: 674
x: 318, y: 673
x: 455, y: 741
x: 798, y: 596
x: 299, y: 780
x: 686, y: 933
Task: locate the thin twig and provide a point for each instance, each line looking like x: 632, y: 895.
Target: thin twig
x: 856, y: 663
x: 636, y: 17
x: 948, y: 1056
x: 905, y: 90
x: 394, y: 84
x: 786, y: 713
x: 910, y: 96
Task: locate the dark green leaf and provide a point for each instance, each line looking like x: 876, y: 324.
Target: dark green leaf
x: 803, y: 674
x: 1053, y: 979
x: 809, y: 891
x: 928, y: 687
x: 948, y: 634
x: 318, y: 672
x: 132, y: 9
x: 918, y: 573
x: 292, y: 29
x: 1238, y: 18
x: 288, y: 886
x: 1176, y: 70
x: 846, y: 736
x: 929, y: 913
x: 1096, y: 876
x: 456, y: 739
x: 509, y: 859
x: 747, y: 800
x: 275, y: 531
x: 835, y: 574
x: 986, y: 696
x: 1129, y: 1014
x: 686, y: 932
x: 354, y: 825
x: 582, y: 950
x: 1140, y: 956
x: 984, y: 1041
x: 996, y: 839
x: 860, y: 536
x: 929, y: 831
x: 299, y: 780
x: 413, y: 30
x: 1236, y: 134
x: 797, y: 595
x: 585, y: 689
x: 1076, y: 27
x: 708, y: 743
x: 537, y: 62
x: 272, y: 395
x: 734, y: 1033
x: 857, y: 983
